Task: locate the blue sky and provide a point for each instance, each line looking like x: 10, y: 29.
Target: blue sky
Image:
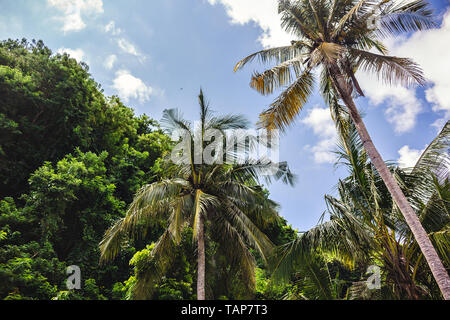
x: 157, y: 54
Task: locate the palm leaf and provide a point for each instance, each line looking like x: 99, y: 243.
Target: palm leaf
x: 389, y: 69
x: 277, y: 55
x: 406, y: 16
x: 278, y: 76
x: 286, y: 107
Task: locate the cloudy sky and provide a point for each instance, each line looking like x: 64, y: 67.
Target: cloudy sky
x: 157, y: 54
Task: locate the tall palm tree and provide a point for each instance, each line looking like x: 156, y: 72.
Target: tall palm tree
x: 338, y: 36
x: 224, y: 198
x: 365, y: 227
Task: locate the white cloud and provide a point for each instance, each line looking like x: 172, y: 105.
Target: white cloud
x: 110, y: 61
x: 124, y: 44
x: 262, y: 12
x: 77, y: 54
x: 430, y: 50
x: 128, y: 47
x: 130, y: 87
x: 403, y: 104
x: 320, y: 122
x: 408, y: 157
x: 111, y: 28
x: 73, y: 11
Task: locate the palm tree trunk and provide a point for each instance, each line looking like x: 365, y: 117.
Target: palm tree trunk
x: 201, y: 261
x: 437, y: 268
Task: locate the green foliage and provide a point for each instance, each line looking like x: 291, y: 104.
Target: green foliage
x: 124, y: 291
x: 46, y: 100
x: 266, y: 289
x: 90, y: 291
x: 177, y: 284
x: 70, y: 161
x: 30, y: 271
x: 49, y: 105
x: 72, y: 201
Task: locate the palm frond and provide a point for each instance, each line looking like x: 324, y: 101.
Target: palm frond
x: 436, y: 156
x: 255, y: 237
x: 316, y: 282
x: 202, y: 202
x: 276, y: 77
x: 151, y: 201
x: 172, y: 120
x: 359, y: 8
x: 154, y: 267
x: 390, y: 69
x: 204, y: 109
x: 276, y: 55
x: 227, y: 122
x: 236, y: 250
x: 406, y: 16
x: 318, y: 16
x: 255, y: 169
x: 287, y: 106
x: 179, y: 217
x: 296, y: 19
x: 112, y: 241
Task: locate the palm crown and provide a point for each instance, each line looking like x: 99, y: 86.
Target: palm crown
x: 336, y: 35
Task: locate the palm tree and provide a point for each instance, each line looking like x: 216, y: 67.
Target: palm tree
x: 223, y: 198
x: 337, y: 36
x: 364, y: 227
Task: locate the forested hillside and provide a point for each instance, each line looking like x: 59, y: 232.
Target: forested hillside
x: 71, y: 160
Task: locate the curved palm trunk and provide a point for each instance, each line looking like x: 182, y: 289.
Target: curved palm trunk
x: 437, y: 268
x: 201, y: 261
